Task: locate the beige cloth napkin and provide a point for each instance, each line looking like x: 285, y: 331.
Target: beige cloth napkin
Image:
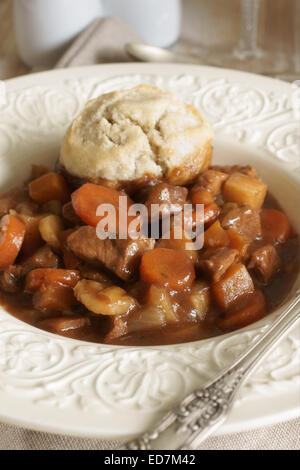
x: 283, y: 436
x: 103, y: 41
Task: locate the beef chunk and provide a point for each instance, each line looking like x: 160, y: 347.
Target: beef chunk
x: 70, y: 215
x: 243, y: 220
x: 118, y: 328
x: 10, y: 279
x: 11, y: 199
x: 120, y: 256
x: 214, y: 263
x: 212, y: 181
x: 170, y: 198
x: 42, y: 258
x: 60, y: 325
x: 265, y: 262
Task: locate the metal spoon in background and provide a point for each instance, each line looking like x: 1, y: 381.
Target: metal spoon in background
x: 147, y: 53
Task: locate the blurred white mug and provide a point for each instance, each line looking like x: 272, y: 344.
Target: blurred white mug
x: 44, y: 28
x: 158, y: 22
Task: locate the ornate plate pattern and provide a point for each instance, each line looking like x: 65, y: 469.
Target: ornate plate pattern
x: 88, y: 389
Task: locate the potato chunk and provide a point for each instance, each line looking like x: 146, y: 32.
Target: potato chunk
x: 244, y: 189
x: 158, y: 296
x: 236, y: 283
x: 50, y: 228
x: 109, y: 301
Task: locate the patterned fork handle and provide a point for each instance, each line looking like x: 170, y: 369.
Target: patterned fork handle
x: 201, y: 412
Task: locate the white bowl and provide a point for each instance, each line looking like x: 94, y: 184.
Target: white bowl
x: 56, y: 384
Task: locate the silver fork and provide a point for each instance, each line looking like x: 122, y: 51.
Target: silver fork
x: 201, y: 412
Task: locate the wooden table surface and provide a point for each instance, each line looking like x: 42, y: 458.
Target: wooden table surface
x: 10, y: 63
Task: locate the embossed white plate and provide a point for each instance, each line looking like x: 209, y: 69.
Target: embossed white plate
x: 61, y: 385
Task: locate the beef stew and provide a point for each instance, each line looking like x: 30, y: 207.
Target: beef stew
x: 58, y: 275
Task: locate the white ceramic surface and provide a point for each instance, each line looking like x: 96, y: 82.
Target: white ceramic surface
x: 61, y: 385
x: 45, y: 29
x: 157, y: 22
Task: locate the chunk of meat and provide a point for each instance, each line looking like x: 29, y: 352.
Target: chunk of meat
x: 170, y: 199
x: 70, y: 215
x: 212, y: 180
x: 10, y: 278
x: 33, y: 239
x: 91, y: 274
x: 229, y: 290
x: 214, y: 263
x: 120, y: 256
x: 118, y: 328
x: 42, y: 258
x: 60, y: 325
x: 243, y: 220
x: 265, y: 261
x: 251, y: 308
x: 38, y: 170
x: 53, y: 298
x: 11, y: 199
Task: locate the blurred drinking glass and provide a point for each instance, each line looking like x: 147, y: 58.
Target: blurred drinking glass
x: 269, y: 36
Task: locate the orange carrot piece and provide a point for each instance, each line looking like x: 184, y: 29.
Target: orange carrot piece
x: 89, y: 197
x: 254, y: 309
x: 49, y: 187
x: 37, y: 277
x: 167, y: 267
x: 275, y: 226
x: 12, y: 233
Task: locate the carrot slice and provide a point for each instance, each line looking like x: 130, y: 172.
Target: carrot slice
x: 89, y: 197
x: 254, y: 309
x: 12, y: 233
x: 49, y: 187
x: 275, y: 226
x: 167, y: 267
x: 37, y: 277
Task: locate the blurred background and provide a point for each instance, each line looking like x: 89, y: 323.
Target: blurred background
x: 220, y: 32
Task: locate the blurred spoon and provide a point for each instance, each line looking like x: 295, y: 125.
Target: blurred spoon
x: 147, y: 53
